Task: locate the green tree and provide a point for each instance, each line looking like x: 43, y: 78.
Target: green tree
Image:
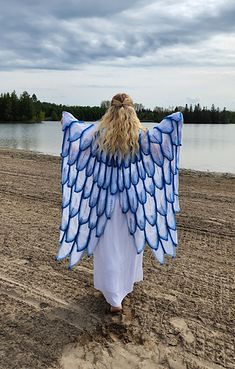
x: 29, y: 109
x: 105, y: 104
x: 54, y: 115
x: 26, y: 107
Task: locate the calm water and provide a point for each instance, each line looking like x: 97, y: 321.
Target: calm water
x: 205, y: 146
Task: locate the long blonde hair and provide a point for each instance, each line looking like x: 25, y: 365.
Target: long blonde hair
x: 118, y: 129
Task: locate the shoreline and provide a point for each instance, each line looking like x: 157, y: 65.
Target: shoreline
x: 180, y: 316
x: 30, y: 153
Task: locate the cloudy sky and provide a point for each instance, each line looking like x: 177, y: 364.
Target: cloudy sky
x: 163, y: 53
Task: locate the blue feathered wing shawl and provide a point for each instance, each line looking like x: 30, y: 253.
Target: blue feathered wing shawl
x: 148, y: 186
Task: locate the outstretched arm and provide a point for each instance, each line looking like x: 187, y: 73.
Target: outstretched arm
x: 165, y: 141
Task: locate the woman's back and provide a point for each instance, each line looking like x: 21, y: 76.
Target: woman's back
x: 147, y: 181
x: 119, y: 193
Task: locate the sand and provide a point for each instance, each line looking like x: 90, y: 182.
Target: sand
x: 180, y: 317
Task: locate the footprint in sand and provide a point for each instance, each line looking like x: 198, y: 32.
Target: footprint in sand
x: 180, y: 325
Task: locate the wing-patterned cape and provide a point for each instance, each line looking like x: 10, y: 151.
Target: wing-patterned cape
x: 147, y: 183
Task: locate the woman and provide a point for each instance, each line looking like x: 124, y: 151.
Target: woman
x: 120, y: 191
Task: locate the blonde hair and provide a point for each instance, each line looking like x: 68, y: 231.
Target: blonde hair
x: 118, y: 130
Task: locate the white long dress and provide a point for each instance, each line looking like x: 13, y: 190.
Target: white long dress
x: 92, y: 222
x: 117, y: 266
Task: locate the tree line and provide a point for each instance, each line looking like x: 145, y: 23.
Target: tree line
x: 26, y: 108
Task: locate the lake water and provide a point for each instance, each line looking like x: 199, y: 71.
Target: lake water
x: 205, y: 146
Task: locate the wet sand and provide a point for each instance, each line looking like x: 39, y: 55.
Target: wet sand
x: 180, y: 317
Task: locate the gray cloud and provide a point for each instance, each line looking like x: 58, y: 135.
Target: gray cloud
x: 68, y: 9
x: 55, y: 35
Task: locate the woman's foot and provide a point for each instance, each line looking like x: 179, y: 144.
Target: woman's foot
x: 115, y: 309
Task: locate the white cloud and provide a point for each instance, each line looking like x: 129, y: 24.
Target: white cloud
x: 100, y: 47
x: 41, y: 37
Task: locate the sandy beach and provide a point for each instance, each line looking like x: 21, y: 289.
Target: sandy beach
x: 182, y: 316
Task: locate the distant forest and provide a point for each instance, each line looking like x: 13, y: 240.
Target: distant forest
x: 26, y: 108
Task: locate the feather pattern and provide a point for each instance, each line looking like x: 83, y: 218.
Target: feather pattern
x: 147, y: 183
